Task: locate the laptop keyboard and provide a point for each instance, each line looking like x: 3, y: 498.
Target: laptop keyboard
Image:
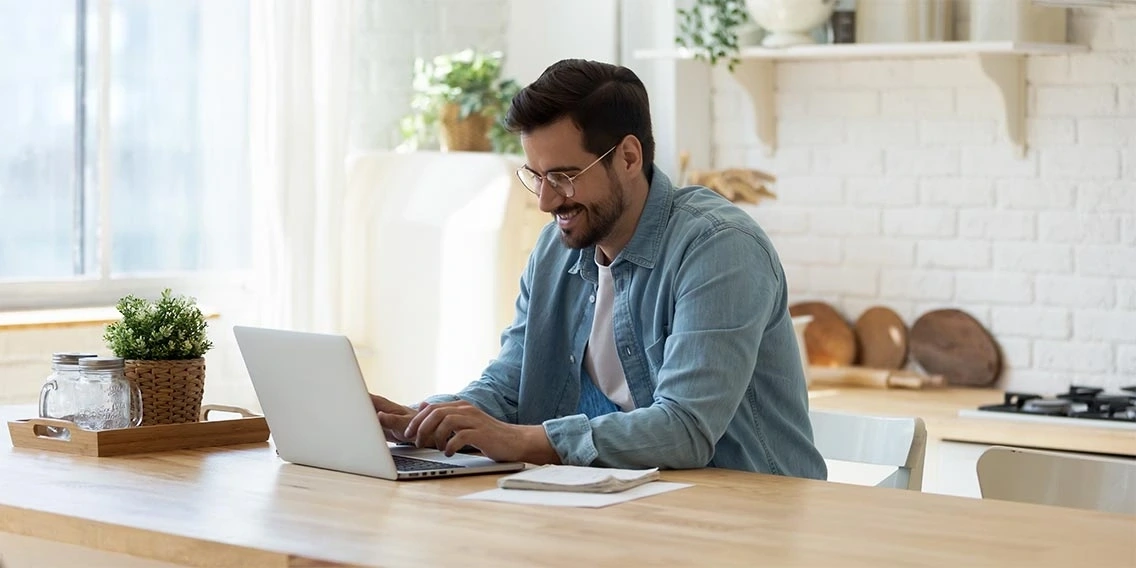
x: 403, y: 463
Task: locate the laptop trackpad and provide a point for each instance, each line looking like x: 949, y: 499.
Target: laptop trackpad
x: 466, y: 460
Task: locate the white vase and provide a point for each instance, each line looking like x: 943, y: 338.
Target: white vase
x: 789, y: 21
x: 892, y: 21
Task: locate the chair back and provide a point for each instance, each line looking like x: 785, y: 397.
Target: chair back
x: 1052, y: 478
x: 878, y: 440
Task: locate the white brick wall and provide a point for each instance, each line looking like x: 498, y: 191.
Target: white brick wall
x: 915, y: 199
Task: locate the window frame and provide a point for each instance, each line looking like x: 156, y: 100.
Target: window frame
x: 101, y: 287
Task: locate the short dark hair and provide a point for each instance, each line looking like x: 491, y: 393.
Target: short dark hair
x: 607, y: 102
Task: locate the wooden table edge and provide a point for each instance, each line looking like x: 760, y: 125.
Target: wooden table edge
x: 148, y: 543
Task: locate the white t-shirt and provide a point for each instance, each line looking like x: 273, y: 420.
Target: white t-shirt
x: 600, y: 356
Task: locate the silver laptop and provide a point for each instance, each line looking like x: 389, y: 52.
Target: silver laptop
x: 320, y: 414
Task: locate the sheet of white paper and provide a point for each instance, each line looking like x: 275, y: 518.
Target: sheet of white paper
x: 572, y: 498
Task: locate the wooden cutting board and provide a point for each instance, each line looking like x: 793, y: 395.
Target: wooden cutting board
x: 829, y: 339
x: 951, y: 343
x: 881, y: 339
x: 873, y: 378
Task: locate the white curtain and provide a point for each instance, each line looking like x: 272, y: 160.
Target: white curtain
x: 300, y: 82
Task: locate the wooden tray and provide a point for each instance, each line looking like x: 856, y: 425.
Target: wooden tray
x: 249, y: 429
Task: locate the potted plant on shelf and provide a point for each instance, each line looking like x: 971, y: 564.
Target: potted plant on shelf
x: 163, y: 344
x: 710, y: 29
x: 458, y: 101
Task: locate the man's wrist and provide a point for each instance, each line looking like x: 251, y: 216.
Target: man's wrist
x: 538, y: 448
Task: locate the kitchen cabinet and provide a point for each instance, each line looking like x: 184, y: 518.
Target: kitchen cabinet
x: 954, y: 443
x: 950, y: 468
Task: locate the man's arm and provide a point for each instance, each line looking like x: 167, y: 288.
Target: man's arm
x: 725, y: 295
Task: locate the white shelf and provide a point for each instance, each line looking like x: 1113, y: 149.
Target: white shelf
x: 1002, y: 62
x: 926, y: 49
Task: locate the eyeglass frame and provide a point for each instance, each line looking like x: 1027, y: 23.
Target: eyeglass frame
x: 571, y: 179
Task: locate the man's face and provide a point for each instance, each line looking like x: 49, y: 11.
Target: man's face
x: 598, y: 203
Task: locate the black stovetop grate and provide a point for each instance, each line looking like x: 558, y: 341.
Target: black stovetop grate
x: 1077, y: 402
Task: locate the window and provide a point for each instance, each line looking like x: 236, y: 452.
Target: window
x: 123, y: 143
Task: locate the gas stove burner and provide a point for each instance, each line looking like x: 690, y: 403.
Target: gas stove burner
x: 1081, y: 393
x: 1047, y: 406
x: 1017, y: 399
x: 1078, y: 402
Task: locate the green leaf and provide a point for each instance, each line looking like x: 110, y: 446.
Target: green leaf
x: 168, y: 328
x: 468, y: 78
x: 709, y: 28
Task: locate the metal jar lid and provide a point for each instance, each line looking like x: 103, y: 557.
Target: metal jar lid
x: 70, y: 358
x: 101, y: 363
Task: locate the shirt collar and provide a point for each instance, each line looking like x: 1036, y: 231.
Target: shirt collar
x: 643, y: 248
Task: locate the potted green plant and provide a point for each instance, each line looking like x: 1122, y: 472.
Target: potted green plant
x: 163, y: 343
x: 710, y: 29
x: 458, y: 101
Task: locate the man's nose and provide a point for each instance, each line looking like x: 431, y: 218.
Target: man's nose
x: 549, y: 198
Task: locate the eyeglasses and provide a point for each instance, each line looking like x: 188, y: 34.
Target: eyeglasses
x: 560, y: 182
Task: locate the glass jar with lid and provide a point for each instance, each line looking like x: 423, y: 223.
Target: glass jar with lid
x: 57, y: 397
x: 106, y: 399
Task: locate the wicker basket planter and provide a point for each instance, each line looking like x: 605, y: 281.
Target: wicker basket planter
x: 469, y: 134
x: 171, y: 390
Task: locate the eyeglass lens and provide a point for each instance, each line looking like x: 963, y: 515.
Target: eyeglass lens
x: 558, y: 181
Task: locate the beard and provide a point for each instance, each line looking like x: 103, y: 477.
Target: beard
x: 601, y: 217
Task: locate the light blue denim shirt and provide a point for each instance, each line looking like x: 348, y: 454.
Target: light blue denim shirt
x: 703, y: 331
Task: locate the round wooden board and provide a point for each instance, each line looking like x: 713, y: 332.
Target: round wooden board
x: 951, y: 343
x: 881, y: 339
x: 829, y: 339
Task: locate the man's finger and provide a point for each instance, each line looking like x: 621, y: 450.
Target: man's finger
x: 459, y: 440
x: 448, y: 427
x: 415, y: 422
x: 384, y: 405
x: 429, y: 419
x: 394, y: 424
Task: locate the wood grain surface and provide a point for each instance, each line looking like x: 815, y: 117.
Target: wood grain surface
x: 829, y: 339
x: 952, y: 343
x: 241, y: 506
x: 881, y: 339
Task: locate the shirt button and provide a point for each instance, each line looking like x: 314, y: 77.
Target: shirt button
x: 571, y: 358
x: 592, y: 298
x: 628, y: 351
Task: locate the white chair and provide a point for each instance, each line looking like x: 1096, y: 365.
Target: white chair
x: 1053, y: 478
x: 900, y: 443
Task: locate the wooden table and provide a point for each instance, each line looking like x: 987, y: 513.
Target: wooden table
x: 939, y: 408
x: 242, y: 506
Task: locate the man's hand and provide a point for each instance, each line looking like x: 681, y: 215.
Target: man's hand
x: 450, y: 426
x: 394, y: 418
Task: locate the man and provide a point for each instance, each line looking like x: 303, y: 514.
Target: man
x: 652, y: 327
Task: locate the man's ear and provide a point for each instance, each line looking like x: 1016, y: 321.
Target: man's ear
x: 629, y: 155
